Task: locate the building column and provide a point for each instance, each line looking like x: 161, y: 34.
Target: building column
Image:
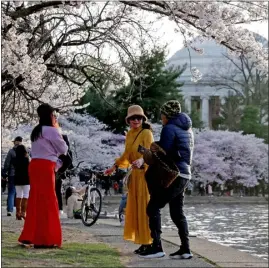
x: 187, y: 100
x: 205, y: 110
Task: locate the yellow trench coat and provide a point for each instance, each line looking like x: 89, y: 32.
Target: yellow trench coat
x: 136, y: 227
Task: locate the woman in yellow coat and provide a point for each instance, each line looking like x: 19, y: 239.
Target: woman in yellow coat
x: 136, y: 227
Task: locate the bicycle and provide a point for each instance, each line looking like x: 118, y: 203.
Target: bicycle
x: 91, y: 203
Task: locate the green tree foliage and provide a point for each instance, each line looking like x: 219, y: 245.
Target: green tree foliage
x: 196, y: 119
x: 150, y: 85
x: 231, y: 113
x: 237, y: 116
x: 250, y: 123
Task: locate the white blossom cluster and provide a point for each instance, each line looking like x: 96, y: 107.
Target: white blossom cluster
x: 16, y: 59
x: 221, y: 156
x: 19, y: 62
x: 90, y: 142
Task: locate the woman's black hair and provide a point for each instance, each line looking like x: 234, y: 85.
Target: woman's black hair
x: 146, y: 125
x: 21, y: 152
x: 44, y: 112
x: 68, y: 193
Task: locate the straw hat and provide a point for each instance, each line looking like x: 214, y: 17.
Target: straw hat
x: 135, y: 110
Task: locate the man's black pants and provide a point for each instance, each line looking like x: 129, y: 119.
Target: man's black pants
x: 58, y: 187
x: 174, y: 196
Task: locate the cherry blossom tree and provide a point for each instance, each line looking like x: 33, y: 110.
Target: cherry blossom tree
x: 90, y: 142
x: 221, y: 156
x: 54, y: 50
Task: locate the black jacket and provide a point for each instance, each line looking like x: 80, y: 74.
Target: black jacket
x: 178, y: 142
x: 9, y: 169
x: 21, y: 171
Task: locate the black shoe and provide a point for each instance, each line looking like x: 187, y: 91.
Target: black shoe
x: 9, y: 214
x: 141, y: 249
x: 181, y: 254
x: 152, y: 252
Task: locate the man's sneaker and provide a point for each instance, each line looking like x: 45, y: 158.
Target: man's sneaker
x: 141, y: 249
x: 181, y: 254
x: 9, y: 214
x: 152, y: 252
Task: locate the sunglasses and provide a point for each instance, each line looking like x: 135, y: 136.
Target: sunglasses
x: 135, y: 117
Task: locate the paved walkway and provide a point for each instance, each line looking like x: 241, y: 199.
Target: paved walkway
x: 206, y: 254
x: 109, y: 231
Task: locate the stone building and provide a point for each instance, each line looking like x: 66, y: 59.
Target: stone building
x: 201, y: 96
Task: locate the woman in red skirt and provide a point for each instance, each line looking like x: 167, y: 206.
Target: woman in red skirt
x: 42, y: 227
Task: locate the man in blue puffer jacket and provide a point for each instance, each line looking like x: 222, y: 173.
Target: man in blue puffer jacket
x: 177, y: 141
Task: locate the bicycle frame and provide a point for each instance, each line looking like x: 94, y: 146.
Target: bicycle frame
x: 91, y: 184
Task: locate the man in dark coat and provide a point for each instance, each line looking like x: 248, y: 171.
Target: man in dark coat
x: 177, y: 141
x: 60, y: 176
x: 9, y: 171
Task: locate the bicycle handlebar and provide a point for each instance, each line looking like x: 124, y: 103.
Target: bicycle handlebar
x: 79, y: 163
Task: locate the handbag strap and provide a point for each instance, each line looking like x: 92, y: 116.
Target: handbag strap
x: 137, y: 136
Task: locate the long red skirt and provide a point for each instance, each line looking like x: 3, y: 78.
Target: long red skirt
x: 42, y: 225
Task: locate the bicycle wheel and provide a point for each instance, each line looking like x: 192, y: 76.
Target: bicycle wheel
x: 90, y: 212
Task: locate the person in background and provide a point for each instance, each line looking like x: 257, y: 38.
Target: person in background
x: 136, y: 227
x: 201, y: 189
x: 190, y: 188
x: 122, y: 208
x: 107, y: 185
x: 60, y: 176
x: 177, y: 141
x: 120, y: 187
x: 21, y: 181
x: 74, y: 199
x: 221, y: 190
x: 209, y: 190
x: 42, y: 227
x: 9, y: 172
x: 116, y: 187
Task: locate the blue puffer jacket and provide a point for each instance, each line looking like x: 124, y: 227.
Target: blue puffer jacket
x: 177, y: 140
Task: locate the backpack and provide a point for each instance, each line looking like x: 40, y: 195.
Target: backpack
x: 66, y: 159
x: 67, y: 162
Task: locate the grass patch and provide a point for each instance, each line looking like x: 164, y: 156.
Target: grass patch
x: 72, y: 254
